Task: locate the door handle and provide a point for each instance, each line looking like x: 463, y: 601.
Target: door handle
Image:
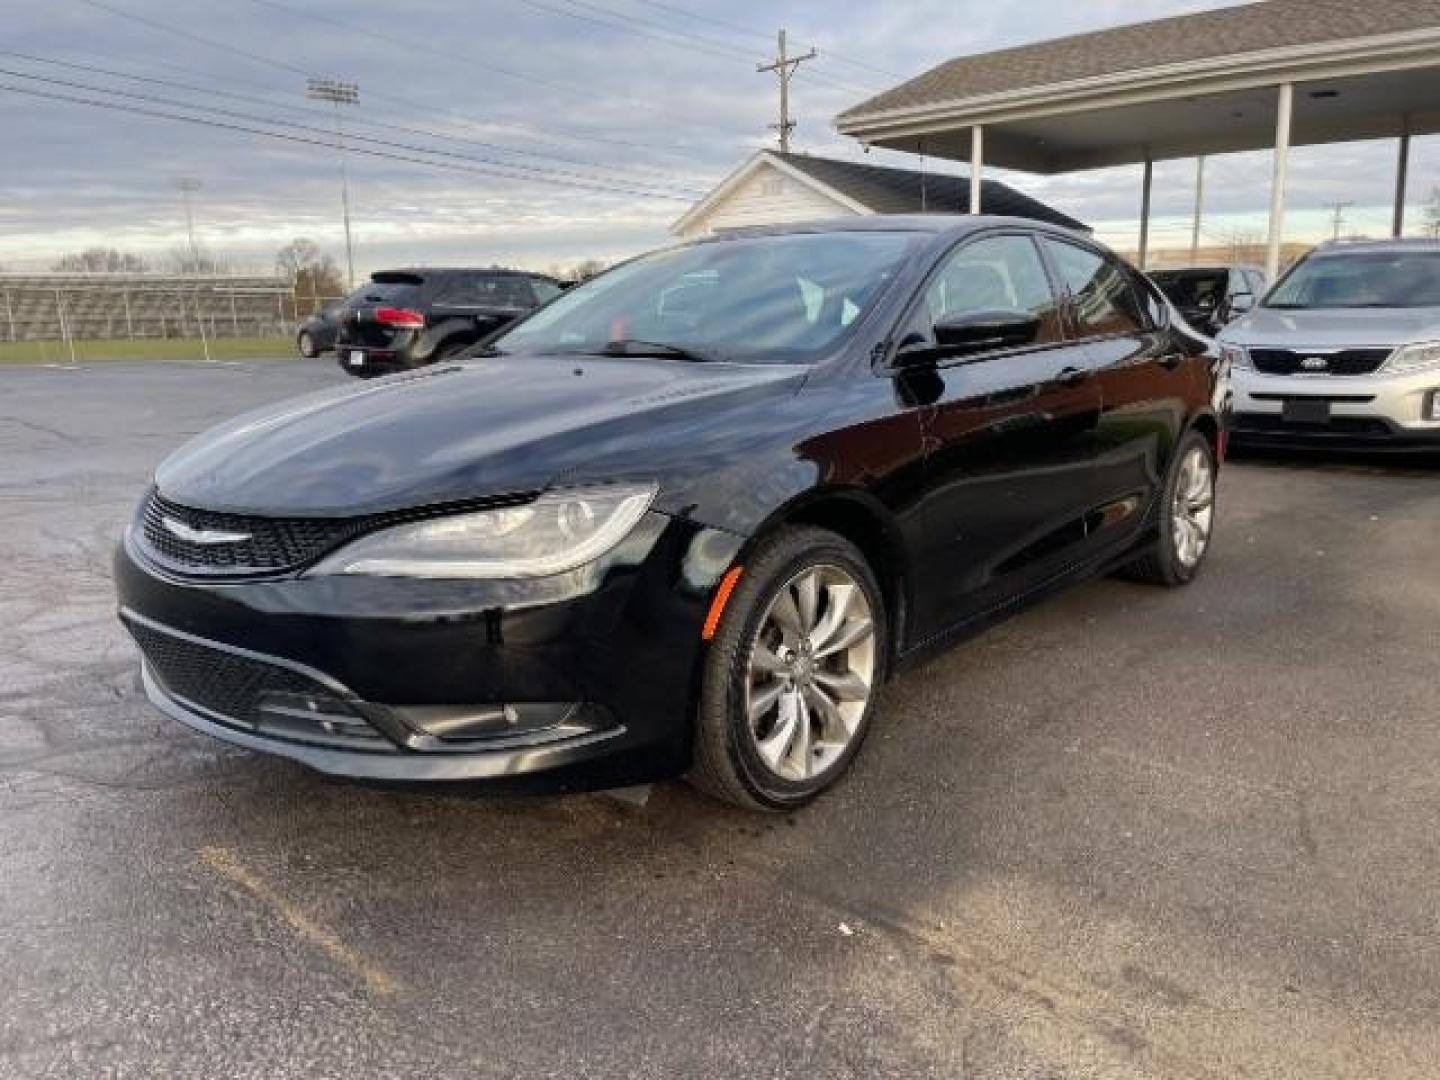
x: 1171, y: 361
x: 1073, y: 376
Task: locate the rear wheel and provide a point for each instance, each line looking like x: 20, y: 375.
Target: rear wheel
x: 1187, y: 517
x: 791, y: 674
x: 306, y: 344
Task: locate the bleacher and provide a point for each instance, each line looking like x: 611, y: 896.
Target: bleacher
x: 36, y: 307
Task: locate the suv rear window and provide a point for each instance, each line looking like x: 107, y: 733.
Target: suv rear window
x: 389, y: 288
x: 491, y: 291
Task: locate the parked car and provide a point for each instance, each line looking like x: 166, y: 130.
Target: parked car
x: 1209, y: 297
x: 686, y: 518
x: 316, y: 334
x: 409, y: 318
x: 1345, y: 348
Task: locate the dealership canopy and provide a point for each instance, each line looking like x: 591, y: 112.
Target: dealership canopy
x: 1258, y: 76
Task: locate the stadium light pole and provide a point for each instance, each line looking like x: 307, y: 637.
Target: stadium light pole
x: 188, y: 185
x: 340, y: 93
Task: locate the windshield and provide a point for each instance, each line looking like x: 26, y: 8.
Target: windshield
x: 1408, y: 279
x: 1193, y: 288
x: 764, y: 298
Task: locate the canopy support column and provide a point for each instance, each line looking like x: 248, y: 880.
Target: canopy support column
x: 1146, y: 183
x: 1285, y: 107
x: 1199, y: 209
x: 977, y: 164
x: 1402, y: 171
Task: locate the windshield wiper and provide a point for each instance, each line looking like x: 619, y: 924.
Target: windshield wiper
x: 637, y: 347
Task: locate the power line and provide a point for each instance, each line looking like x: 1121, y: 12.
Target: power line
x: 281, y: 65
x: 750, y: 31
x: 524, y: 171
x: 328, y: 143
x: 292, y: 107
x: 390, y: 37
x: 617, y: 20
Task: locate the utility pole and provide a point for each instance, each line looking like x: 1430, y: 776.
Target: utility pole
x: 784, y: 67
x: 340, y: 93
x: 188, y: 185
x: 1338, y: 216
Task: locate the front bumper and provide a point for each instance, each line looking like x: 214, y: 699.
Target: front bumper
x: 345, y: 674
x: 1368, y: 410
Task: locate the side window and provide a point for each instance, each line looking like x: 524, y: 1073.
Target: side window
x: 458, y: 292
x: 545, y: 291
x: 1256, y: 281
x: 1002, y: 272
x: 1105, y: 302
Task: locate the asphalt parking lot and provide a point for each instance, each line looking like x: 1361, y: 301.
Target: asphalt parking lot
x: 1130, y: 833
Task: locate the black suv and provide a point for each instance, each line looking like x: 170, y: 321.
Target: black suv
x: 1210, y: 297
x: 410, y: 318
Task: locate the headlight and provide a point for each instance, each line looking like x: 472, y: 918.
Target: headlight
x: 1411, y: 358
x: 1239, y: 359
x: 559, y: 531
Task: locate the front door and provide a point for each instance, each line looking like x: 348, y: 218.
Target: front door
x: 1011, y: 439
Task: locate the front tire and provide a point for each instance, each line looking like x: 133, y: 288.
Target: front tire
x: 791, y: 675
x: 306, y: 345
x: 1187, y: 517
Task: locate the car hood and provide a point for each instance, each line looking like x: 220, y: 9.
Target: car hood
x: 1339, y: 327
x: 487, y: 427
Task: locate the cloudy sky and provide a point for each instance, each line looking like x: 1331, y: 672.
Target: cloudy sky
x: 548, y: 130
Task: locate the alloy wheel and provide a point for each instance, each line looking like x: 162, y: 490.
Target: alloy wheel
x: 810, y: 673
x: 1193, y: 511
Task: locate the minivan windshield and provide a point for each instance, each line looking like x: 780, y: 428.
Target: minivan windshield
x: 1402, y: 279
x: 767, y: 299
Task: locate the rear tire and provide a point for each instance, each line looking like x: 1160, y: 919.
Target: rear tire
x: 1187, y: 518
x: 791, y: 676
x: 306, y: 345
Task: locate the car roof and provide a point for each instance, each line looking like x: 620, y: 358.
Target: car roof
x: 1420, y: 244
x: 933, y: 224
x: 440, y: 271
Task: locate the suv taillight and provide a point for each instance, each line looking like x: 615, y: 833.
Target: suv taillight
x: 402, y: 318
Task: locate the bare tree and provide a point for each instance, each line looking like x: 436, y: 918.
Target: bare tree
x: 583, y: 270
x: 313, y: 275
x: 1432, y: 214
x: 100, y: 260
x: 183, y: 259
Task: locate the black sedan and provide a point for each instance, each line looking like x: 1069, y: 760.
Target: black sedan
x: 685, y: 519
x: 316, y: 334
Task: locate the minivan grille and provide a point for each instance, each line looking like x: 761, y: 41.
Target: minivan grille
x: 176, y: 537
x: 1293, y: 361
x: 249, y: 692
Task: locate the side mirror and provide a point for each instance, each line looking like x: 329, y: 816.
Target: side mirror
x: 972, y: 332
x: 1241, y: 303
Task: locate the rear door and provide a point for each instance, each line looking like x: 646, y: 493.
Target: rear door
x: 1011, y: 438
x: 1144, y: 378
x: 387, y: 289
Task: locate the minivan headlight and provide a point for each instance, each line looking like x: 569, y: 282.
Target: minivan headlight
x: 1422, y: 356
x: 559, y: 531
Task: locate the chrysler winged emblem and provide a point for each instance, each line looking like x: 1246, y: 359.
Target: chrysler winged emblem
x: 1314, y: 363
x: 206, y: 537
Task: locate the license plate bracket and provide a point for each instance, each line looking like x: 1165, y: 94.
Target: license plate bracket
x: 1306, y: 411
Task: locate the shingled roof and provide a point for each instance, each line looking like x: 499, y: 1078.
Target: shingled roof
x: 887, y: 190
x: 1223, y: 32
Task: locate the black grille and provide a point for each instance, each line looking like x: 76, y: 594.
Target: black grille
x: 247, y: 692
x: 1292, y: 361
x: 261, y: 545
x: 1266, y: 424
